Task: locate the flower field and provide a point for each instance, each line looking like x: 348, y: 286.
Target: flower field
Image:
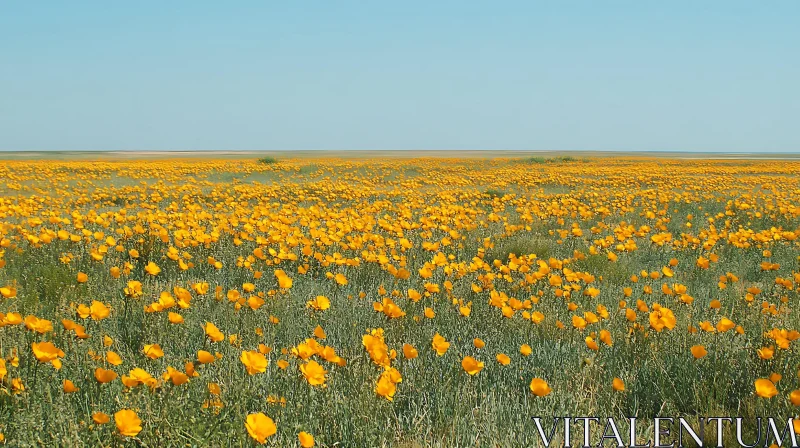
x: 391, y: 302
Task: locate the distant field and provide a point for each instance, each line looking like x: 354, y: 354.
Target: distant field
x: 368, y: 299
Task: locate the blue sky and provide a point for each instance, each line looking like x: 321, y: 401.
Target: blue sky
x: 284, y: 75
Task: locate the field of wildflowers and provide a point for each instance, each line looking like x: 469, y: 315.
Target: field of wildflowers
x: 390, y: 302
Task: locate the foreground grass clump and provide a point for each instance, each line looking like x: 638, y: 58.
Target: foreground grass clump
x: 366, y: 303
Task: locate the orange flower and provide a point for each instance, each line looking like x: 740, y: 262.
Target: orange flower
x: 46, y: 351
x: 254, y: 362
x: 213, y: 332
x: 539, y: 387
x: 765, y: 352
x: 471, y: 365
x: 409, y: 351
x: 698, y: 351
x: 725, y: 324
x: 204, y: 357
x: 313, y: 373
x: 113, y: 358
x: 440, y: 344
x: 152, y: 269
x: 128, y: 423
x: 8, y: 292
x: 661, y: 318
x: 765, y: 388
x: 33, y: 323
x: 99, y: 310
x: 101, y: 418
x: 306, y: 439
x: 387, y: 383
x: 104, y: 376
x: 153, y: 351
x: 259, y: 426
x: 69, y: 387
x: 794, y: 397
x: 320, y: 303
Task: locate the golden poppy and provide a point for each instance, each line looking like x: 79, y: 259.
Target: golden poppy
x: 306, y: 439
x: 260, y: 427
x: 440, y: 344
x: 539, y: 387
x: 471, y: 365
x: 765, y: 388
x: 254, y: 362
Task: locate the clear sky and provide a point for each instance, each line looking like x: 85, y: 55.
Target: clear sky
x: 434, y: 74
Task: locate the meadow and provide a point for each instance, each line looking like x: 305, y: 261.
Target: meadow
x: 368, y: 302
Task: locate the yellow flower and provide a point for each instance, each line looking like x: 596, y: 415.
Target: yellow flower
x: 661, y: 318
x: 320, y: 303
x: 113, y: 358
x: 40, y: 326
x: 313, y: 373
x: 259, y: 426
x: 539, y: 387
x: 440, y: 344
x: 306, y: 439
x: 618, y: 385
x: 101, y: 418
x: 765, y: 388
x: 204, y: 357
x: 471, y: 365
x: 152, y: 269
x: 8, y: 292
x: 409, y: 352
x: 46, y: 351
x: 387, y: 383
x: 794, y: 397
x: 213, y: 332
x: 725, y: 324
x: 525, y: 350
x: 69, y: 387
x: 284, y: 281
x: 698, y: 351
x: 177, y: 377
x: 765, y: 352
x: 128, y: 423
x: 99, y: 310
x: 153, y: 351
x: 104, y: 376
x: 254, y: 362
